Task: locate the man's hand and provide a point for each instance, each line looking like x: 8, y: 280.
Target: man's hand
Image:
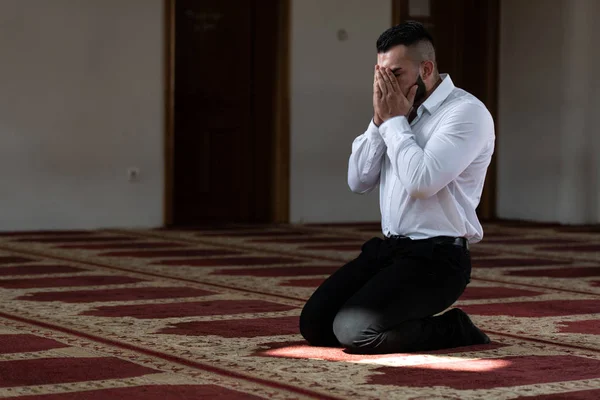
x: 392, y: 102
x: 376, y: 99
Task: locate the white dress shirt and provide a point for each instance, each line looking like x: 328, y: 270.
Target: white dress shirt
x: 431, y: 172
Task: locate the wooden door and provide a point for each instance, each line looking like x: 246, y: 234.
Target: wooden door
x: 466, y: 37
x: 224, y: 67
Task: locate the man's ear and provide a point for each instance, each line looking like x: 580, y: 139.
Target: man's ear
x: 428, y: 68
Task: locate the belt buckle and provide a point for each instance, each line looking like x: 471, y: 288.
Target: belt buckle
x: 462, y: 242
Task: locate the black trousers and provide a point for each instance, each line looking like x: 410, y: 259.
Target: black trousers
x: 384, y: 300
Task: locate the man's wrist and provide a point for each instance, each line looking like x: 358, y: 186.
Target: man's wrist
x: 397, y: 125
x: 380, y: 122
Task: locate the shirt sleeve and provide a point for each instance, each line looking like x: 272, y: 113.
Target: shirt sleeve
x: 453, y: 146
x: 365, y: 161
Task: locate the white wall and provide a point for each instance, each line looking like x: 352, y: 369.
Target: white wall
x: 80, y: 101
x: 549, y: 119
x: 331, y: 104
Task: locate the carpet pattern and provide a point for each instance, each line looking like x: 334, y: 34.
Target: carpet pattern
x: 213, y: 313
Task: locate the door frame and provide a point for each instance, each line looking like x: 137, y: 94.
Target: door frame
x: 487, y: 209
x: 280, y: 159
x: 169, y: 111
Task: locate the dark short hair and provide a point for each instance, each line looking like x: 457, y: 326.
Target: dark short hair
x: 407, y: 33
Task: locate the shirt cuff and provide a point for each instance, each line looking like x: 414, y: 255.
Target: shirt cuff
x: 373, y: 132
x: 397, y: 124
x: 372, y: 127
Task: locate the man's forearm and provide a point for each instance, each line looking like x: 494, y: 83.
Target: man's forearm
x: 364, y: 166
x: 454, y: 145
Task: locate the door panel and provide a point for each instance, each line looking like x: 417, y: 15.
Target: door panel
x: 223, y: 102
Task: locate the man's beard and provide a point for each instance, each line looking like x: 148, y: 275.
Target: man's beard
x: 421, y: 90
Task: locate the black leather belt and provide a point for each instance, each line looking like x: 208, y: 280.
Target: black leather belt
x: 456, y: 241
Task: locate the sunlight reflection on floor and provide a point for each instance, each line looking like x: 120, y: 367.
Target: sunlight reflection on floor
x: 428, y: 361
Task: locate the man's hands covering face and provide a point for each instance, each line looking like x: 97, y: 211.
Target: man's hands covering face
x: 388, y: 99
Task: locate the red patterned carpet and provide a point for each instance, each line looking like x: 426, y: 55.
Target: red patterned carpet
x: 213, y: 313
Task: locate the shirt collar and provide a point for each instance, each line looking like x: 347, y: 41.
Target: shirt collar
x: 440, y: 94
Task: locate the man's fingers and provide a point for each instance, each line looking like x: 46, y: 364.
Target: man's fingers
x: 392, y: 79
x: 376, y: 88
x: 386, y: 79
x: 377, y: 91
x: 382, y: 85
